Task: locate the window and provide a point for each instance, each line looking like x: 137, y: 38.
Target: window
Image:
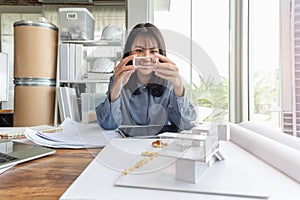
x: 205, y: 24
x: 264, y: 96
x: 200, y: 48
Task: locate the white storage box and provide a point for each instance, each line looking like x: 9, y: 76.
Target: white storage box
x: 76, y: 24
x: 89, y: 101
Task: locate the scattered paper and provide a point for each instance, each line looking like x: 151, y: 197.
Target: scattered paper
x: 73, y: 135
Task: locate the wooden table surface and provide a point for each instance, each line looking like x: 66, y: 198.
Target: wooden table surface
x: 47, y: 177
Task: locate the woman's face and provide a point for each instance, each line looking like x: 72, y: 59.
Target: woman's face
x: 144, y: 46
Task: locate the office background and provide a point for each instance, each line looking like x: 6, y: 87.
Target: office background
x: 251, y: 50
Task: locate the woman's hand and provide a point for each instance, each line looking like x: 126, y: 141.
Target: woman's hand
x: 168, y: 70
x: 122, y: 74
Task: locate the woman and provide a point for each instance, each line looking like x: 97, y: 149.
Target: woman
x: 145, y: 95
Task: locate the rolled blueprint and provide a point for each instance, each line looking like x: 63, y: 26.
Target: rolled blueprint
x: 272, y: 133
x: 279, y: 155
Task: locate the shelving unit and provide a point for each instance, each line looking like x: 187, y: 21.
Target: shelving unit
x: 79, y: 63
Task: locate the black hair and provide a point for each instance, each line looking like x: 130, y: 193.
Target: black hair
x: 156, y: 85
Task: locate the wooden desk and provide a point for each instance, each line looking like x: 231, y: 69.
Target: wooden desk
x: 45, y: 178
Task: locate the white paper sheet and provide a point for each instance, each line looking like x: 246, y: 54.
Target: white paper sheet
x: 73, y: 135
x: 219, y: 179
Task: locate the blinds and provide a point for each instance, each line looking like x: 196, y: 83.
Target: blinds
x: 291, y: 120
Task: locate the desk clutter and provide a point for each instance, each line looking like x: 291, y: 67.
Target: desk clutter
x: 73, y: 135
x: 69, y: 134
x: 256, y: 163
x: 256, y: 166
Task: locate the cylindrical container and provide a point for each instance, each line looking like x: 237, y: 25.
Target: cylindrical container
x: 34, y: 102
x: 35, y: 64
x: 35, y: 49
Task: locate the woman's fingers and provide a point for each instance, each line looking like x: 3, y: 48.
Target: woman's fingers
x: 166, y: 70
x: 169, y: 71
x: 164, y: 59
x: 125, y: 60
x: 122, y: 67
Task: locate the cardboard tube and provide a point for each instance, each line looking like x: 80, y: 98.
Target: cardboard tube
x: 284, y: 158
x: 272, y: 133
x: 35, y: 52
x: 34, y: 105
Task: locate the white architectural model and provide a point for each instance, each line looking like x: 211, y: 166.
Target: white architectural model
x: 196, y: 151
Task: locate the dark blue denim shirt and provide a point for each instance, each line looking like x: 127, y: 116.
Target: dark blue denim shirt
x: 146, y: 109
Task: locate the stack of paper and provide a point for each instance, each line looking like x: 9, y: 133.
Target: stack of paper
x: 73, y: 135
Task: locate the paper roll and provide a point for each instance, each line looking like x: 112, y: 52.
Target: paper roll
x: 280, y: 156
x: 272, y: 133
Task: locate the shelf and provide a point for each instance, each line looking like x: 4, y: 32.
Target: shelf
x: 79, y: 57
x: 84, y: 81
x: 94, y: 42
